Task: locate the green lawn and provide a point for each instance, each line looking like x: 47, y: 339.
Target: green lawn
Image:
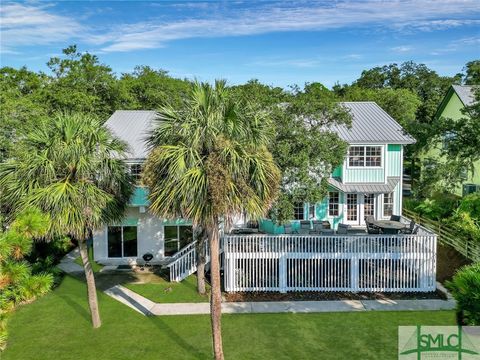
x: 95, y: 267
x: 57, y: 326
x: 167, y: 292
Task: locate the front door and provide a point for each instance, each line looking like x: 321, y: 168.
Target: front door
x: 358, y: 206
x: 352, y: 209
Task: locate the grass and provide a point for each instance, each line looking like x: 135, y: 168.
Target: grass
x: 95, y: 266
x: 167, y: 292
x: 57, y: 326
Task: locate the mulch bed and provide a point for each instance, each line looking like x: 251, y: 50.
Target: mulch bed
x: 315, y: 296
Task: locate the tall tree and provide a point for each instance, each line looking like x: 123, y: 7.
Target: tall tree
x: 71, y: 168
x: 304, y: 147
x: 472, y: 73
x: 210, y: 162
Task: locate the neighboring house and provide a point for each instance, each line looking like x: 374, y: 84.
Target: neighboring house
x: 457, y: 97
x: 369, y: 183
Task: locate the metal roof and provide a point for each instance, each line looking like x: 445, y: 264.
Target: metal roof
x: 133, y: 127
x: 465, y: 93
x: 371, y: 188
x: 371, y: 124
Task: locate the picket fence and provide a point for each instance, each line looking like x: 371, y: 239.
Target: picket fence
x: 354, y: 263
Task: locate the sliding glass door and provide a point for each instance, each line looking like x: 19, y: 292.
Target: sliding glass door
x: 176, y: 237
x: 122, y: 241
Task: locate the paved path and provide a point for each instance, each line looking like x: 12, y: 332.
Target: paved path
x: 68, y: 263
x: 147, y: 307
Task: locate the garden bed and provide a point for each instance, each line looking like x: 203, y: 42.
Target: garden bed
x: 318, y: 296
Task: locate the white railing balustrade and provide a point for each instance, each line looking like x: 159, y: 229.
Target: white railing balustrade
x: 390, y: 263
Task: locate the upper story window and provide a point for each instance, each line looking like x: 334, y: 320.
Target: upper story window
x: 365, y: 156
x: 298, y: 211
x: 136, y: 172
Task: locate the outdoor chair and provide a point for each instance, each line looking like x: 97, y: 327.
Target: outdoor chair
x: 342, y: 229
x: 288, y: 229
x: 372, y: 229
x: 410, y: 228
x: 415, y: 231
x: 305, y: 226
x: 317, y: 228
x: 369, y: 219
x: 395, y: 218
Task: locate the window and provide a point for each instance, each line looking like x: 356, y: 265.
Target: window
x: 369, y: 204
x: 311, y: 211
x: 470, y: 189
x: 352, y: 208
x: 176, y: 237
x: 447, y: 138
x: 365, y: 156
x: 122, y: 241
x: 387, y: 204
x: 333, y: 201
x: 136, y: 172
x: 298, y: 211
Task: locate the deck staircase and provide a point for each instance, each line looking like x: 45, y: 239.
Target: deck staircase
x: 184, y: 262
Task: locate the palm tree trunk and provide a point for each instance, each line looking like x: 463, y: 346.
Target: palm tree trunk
x: 216, y: 296
x: 91, y: 289
x: 201, y: 259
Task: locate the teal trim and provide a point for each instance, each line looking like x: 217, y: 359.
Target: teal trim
x: 139, y: 197
x: 127, y: 222
x: 394, y: 147
x: 337, y: 172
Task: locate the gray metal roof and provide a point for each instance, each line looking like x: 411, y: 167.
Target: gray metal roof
x: 370, y: 188
x: 133, y: 127
x: 371, y: 124
x: 465, y: 93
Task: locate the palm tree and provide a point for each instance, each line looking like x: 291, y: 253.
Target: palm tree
x: 71, y: 168
x: 209, y: 162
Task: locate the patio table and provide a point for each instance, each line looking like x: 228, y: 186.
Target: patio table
x: 389, y: 226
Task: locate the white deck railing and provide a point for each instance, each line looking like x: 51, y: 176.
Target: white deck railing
x: 390, y: 263
x: 184, y: 262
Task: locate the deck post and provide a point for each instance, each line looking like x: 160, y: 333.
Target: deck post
x: 282, y: 269
x: 354, y: 273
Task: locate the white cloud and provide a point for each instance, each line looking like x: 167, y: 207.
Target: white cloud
x: 22, y: 25
x: 402, y: 49
x: 38, y: 24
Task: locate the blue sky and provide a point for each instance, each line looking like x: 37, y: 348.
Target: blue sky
x: 280, y: 43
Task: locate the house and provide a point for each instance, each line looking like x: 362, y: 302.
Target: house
x: 369, y: 182
x: 456, y: 99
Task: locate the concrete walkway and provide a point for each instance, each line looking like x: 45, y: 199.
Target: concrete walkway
x: 147, y: 307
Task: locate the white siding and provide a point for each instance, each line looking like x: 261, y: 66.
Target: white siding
x: 150, y: 239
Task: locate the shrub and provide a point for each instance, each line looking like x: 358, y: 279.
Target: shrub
x: 465, y: 288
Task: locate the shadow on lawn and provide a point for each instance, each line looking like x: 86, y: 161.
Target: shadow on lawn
x: 178, y: 338
x: 76, y: 306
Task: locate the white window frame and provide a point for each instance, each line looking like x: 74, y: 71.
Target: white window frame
x: 298, y: 206
x: 136, y: 176
x: 334, y: 203
x: 392, y: 203
x: 364, y: 166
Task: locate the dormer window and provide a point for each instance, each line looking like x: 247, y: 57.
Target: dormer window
x: 136, y: 172
x: 365, y: 156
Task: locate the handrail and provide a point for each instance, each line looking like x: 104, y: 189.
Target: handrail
x: 449, y: 236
